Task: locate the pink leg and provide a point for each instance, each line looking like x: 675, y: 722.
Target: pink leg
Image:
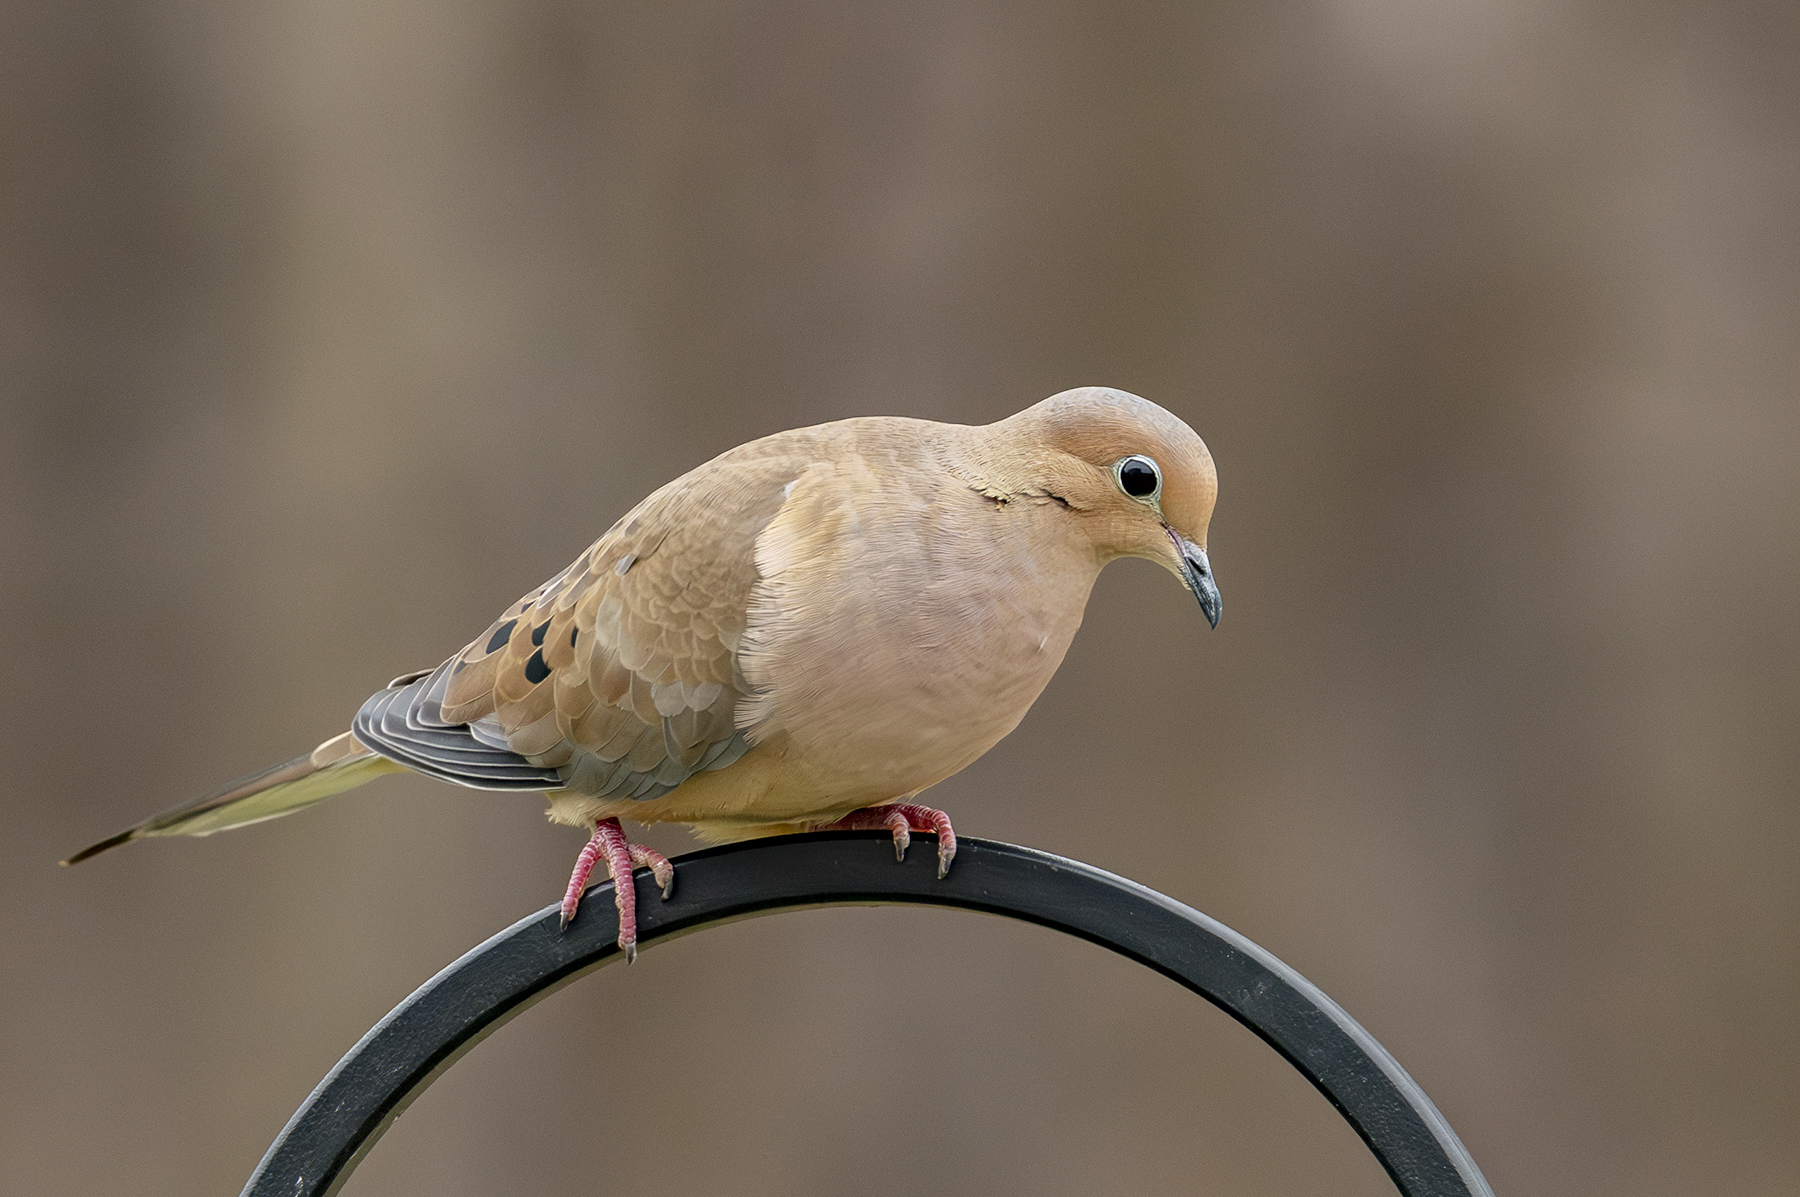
x: 903, y: 818
x: 609, y: 843
x: 584, y: 866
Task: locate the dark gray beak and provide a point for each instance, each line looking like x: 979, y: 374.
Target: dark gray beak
x: 1196, y: 570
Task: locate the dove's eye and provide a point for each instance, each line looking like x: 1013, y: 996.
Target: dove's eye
x: 1138, y: 477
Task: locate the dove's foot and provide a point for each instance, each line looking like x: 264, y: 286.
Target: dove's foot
x: 621, y: 856
x: 903, y: 818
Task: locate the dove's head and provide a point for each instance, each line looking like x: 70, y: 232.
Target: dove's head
x: 1135, y: 478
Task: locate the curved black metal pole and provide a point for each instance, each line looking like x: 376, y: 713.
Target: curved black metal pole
x: 469, y: 1000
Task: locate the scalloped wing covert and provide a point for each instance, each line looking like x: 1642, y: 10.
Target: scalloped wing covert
x: 621, y: 672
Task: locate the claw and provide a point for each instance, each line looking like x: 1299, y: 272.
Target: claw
x: 659, y: 867
x: 896, y: 822
x: 902, y: 819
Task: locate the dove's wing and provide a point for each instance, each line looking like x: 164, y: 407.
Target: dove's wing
x: 619, y: 677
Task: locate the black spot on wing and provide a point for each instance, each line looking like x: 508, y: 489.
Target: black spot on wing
x: 501, y: 635
x: 537, y: 633
x: 573, y: 633
x: 535, y: 669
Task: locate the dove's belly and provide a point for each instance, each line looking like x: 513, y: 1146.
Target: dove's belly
x: 920, y: 704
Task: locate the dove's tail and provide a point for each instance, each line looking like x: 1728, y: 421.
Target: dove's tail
x: 339, y: 764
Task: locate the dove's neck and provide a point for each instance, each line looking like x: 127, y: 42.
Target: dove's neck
x: 1007, y: 462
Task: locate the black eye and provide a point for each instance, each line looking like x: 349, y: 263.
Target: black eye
x: 1138, y: 477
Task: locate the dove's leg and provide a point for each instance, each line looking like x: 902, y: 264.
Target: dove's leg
x: 621, y: 855
x: 903, y: 818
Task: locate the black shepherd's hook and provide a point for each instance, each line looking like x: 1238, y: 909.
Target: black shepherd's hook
x: 455, y: 1010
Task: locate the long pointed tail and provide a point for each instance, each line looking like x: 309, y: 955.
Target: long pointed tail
x: 339, y: 764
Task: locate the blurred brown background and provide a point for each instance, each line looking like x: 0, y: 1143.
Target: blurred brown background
x: 327, y: 329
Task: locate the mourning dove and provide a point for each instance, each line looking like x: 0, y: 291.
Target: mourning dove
x: 804, y: 632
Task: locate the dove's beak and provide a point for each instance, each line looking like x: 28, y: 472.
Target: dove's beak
x: 1196, y: 571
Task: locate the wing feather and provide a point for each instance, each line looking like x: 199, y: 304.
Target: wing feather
x: 618, y: 677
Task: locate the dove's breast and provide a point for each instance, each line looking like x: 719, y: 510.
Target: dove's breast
x: 894, y: 635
